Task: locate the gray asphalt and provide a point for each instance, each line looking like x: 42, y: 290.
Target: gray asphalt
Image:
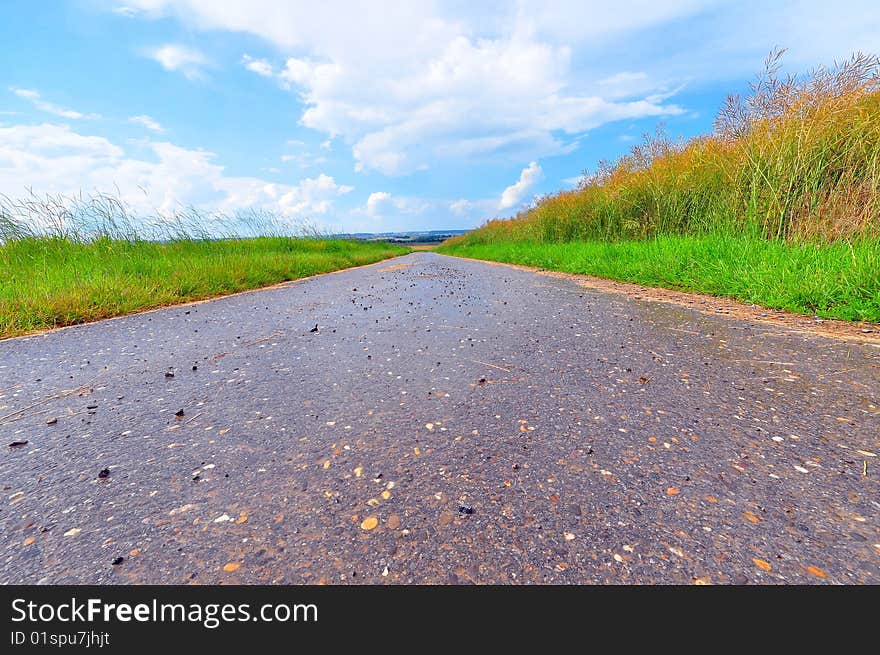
x: 496, y: 425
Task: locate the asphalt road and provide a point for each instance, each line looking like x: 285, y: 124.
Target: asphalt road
x: 449, y: 422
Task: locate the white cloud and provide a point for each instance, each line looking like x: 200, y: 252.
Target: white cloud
x: 381, y: 203
x: 375, y: 202
x: 148, y: 122
x: 411, y: 206
x: 504, y: 98
x: 123, y: 10
x: 37, y: 101
x: 259, y: 66
x: 174, y: 57
x: 55, y: 159
x: 511, y: 81
x: 419, y: 84
x: 304, y: 159
x: 470, y: 211
x: 461, y: 207
x: 514, y: 194
x: 309, y: 74
x: 311, y: 196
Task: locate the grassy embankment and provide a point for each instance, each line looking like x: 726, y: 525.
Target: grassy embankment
x: 779, y: 206
x: 74, y: 268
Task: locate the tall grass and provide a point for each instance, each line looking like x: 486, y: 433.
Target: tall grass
x: 72, y: 259
x: 796, y: 159
x: 779, y: 205
x: 83, y: 218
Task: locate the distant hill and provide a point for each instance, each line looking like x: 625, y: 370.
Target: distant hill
x: 427, y: 236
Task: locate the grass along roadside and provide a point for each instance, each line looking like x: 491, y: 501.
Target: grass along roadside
x: 778, y: 206
x: 52, y: 281
x: 796, y: 160
x: 838, y: 280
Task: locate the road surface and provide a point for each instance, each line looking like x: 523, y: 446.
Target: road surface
x: 450, y: 421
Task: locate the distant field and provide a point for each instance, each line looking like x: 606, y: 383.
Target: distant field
x: 54, y: 281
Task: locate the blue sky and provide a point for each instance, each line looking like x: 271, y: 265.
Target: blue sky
x: 374, y: 116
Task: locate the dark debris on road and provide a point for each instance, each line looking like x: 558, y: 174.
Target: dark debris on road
x: 451, y: 422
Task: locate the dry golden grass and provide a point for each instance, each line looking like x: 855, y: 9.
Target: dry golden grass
x: 798, y: 159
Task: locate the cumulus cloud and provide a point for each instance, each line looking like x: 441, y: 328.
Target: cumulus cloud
x: 174, y: 57
x: 37, y: 101
x: 429, y: 81
x: 514, y: 194
x: 381, y: 203
x: 375, y: 202
x: 421, y: 84
x: 504, y: 97
x: 411, y: 205
x: 309, y: 74
x: 56, y: 159
x: 148, y: 122
x: 312, y: 196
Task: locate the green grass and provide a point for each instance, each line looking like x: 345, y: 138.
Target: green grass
x: 52, y: 281
x: 837, y: 280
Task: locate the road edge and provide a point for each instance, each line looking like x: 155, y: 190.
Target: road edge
x: 714, y: 305
x: 189, y: 303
